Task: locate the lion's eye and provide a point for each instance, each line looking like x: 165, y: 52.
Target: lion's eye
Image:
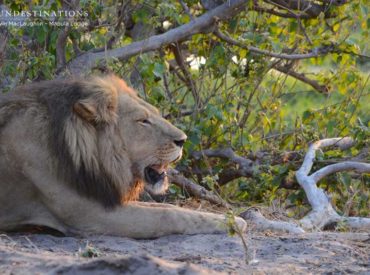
x: 145, y: 121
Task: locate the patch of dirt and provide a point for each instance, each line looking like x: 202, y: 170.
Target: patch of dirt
x: 309, y: 253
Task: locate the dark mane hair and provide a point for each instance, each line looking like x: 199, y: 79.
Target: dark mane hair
x: 60, y: 97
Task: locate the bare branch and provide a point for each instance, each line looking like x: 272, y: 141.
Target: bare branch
x: 310, y: 155
x: 278, y: 13
x: 195, y: 189
x: 322, y: 212
x: 290, y: 8
x: 304, y: 7
x: 228, y: 175
x: 245, y: 165
x: 338, y: 167
x: 181, y: 114
x: 301, y: 77
x: 320, y: 51
x: 334, y: 2
x: 261, y: 223
x: 202, y: 24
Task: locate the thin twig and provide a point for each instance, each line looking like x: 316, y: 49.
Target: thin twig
x: 316, y: 52
x: 186, y: 9
x: 301, y: 77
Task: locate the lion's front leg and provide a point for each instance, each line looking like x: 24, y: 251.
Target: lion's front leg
x: 135, y: 220
x: 141, y: 221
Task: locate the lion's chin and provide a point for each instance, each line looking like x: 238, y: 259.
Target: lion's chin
x: 155, y: 177
x: 157, y: 188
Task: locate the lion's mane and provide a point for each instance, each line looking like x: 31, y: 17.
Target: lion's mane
x: 87, y: 153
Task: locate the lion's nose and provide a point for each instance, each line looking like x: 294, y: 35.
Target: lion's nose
x: 180, y: 142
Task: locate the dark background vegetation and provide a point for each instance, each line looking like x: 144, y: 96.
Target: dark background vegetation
x: 255, y: 79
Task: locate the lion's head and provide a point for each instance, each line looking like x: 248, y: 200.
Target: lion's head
x: 108, y: 142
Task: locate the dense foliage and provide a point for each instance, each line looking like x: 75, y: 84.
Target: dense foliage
x: 226, y: 94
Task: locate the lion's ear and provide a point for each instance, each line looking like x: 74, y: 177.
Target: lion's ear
x: 99, y: 101
x: 86, y: 111
x: 96, y: 110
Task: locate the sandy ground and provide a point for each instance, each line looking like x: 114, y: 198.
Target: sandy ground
x: 310, y: 253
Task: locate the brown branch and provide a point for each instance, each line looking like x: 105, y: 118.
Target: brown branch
x: 304, y: 7
x: 289, y: 10
x: 201, y: 24
x: 278, y: 13
x: 181, y: 114
x: 228, y: 175
x: 334, y: 2
x: 194, y: 189
x: 61, y: 47
x: 246, y: 166
x: 319, y: 51
x: 301, y: 77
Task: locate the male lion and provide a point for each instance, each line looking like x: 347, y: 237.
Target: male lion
x: 74, y: 156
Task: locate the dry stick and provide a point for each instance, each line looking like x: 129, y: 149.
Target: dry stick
x: 195, y: 189
x: 322, y: 212
x: 301, y: 77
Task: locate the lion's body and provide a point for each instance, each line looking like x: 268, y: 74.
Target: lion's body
x: 74, y: 155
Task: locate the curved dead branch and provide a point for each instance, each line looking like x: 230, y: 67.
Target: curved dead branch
x: 322, y: 212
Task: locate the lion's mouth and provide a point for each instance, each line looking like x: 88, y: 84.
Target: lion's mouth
x: 155, y: 173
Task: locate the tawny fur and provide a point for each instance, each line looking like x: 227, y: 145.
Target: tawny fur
x: 72, y: 157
